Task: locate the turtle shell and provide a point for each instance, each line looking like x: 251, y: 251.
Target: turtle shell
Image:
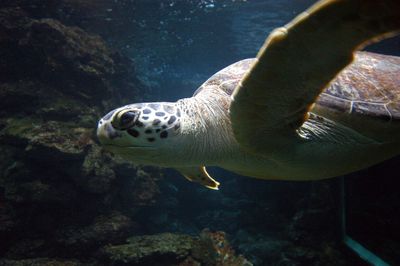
x: 369, y: 87
x: 227, y: 78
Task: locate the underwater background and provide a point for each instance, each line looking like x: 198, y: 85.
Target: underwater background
x: 65, y: 201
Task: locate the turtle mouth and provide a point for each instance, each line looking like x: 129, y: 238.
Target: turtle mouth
x: 136, y: 154
x: 131, y: 147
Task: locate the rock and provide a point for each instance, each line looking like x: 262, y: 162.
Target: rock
x: 168, y: 249
x: 17, y: 94
x: 105, y: 229
x: 96, y: 176
x: 146, y: 188
x: 189, y: 262
x: 64, y: 196
x: 7, y: 224
x: 56, y: 141
x: 39, y: 192
x: 42, y: 262
x: 264, y: 249
x: 27, y: 248
x: 162, y: 249
x: 70, y: 54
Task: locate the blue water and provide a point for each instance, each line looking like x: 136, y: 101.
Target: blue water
x: 179, y: 44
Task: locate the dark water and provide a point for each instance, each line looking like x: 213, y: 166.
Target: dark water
x: 65, y: 201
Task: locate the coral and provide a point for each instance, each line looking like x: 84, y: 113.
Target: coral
x: 224, y: 255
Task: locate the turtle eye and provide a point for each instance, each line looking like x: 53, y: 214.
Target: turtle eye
x: 125, y: 120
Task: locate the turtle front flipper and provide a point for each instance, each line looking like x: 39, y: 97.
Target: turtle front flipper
x: 199, y: 175
x: 297, y: 62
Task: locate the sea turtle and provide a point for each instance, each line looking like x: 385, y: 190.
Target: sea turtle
x: 288, y: 114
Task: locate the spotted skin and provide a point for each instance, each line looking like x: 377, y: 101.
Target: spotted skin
x: 133, y: 132
x: 153, y: 123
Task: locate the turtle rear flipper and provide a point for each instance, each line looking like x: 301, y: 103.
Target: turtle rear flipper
x: 199, y: 175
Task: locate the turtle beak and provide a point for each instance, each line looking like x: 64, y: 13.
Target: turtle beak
x: 106, y: 132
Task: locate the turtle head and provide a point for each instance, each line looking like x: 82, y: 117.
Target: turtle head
x: 140, y: 132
